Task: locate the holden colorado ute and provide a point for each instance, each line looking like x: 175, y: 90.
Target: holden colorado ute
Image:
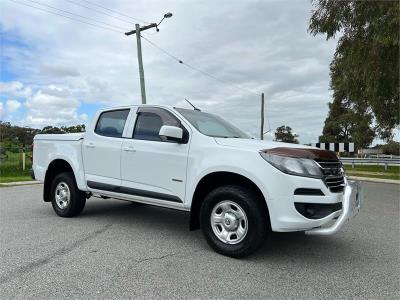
x: 236, y: 189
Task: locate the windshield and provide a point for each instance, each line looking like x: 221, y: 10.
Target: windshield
x: 211, y: 125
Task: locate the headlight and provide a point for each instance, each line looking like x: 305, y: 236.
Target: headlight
x: 294, y: 166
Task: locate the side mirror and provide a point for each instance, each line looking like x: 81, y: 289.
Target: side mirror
x: 171, y: 133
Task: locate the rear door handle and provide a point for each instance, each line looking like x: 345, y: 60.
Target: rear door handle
x: 90, y: 145
x: 129, y: 149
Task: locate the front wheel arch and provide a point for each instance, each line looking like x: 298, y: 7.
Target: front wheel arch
x: 217, y: 179
x: 232, y: 238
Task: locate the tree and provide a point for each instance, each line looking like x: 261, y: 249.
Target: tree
x: 284, y: 134
x: 63, y: 129
x: 391, y: 148
x: 16, y: 136
x: 365, y: 67
x: 346, y: 124
x: 51, y: 130
x: 72, y: 129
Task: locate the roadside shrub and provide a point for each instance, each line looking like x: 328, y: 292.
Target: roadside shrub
x: 391, y: 148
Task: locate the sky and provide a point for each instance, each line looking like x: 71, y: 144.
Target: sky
x: 56, y: 71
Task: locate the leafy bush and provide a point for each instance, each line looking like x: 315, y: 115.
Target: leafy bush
x: 391, y: 148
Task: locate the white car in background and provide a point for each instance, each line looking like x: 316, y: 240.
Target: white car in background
x: 237, y: 189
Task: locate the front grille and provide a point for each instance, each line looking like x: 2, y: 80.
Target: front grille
x: 333, y: 175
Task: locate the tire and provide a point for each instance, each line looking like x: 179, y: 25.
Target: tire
x: 67, y: 200
x: 242, y: 210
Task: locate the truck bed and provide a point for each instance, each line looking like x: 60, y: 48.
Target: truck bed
x: 61, y: 137
x: 51, y: 147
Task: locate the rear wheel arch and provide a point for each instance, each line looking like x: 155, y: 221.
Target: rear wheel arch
x: 56, y: 167
x: 67, y: 200
x: 214, y: 180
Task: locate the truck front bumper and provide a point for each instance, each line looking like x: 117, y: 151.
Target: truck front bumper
x: 352, y: 198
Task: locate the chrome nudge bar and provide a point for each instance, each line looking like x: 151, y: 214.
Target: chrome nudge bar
x: 352, y: 198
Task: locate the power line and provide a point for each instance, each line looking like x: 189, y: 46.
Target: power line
x: 102, y: 12
x: 162, y: 50
x: 61, y: 15
x: 70, y: 13
x: 220, y: 80
x: 196, y: 69
x: 115, y: 12
x: 213, y: 77
x: 146, y: 39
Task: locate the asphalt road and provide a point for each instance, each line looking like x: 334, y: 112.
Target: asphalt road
x: 118, y: 250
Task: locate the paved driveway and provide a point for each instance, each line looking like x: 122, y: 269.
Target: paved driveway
x: 118, y: 250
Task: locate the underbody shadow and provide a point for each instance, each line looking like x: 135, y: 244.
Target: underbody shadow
x: 278, y: 246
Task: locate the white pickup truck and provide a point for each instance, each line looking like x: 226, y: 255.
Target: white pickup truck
x: 237, y: 189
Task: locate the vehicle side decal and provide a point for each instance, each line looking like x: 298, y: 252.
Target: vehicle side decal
x: 132, y: 191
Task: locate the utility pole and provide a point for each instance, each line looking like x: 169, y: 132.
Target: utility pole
x: 262, y: 116
x: 140, y: 61
x: 137, y: 31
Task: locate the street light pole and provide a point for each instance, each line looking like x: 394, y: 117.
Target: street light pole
x: 140, y: 61
x: 137, y: 31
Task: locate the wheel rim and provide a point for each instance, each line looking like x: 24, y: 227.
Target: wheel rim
x: 229, y: 222
x: 62, y: 195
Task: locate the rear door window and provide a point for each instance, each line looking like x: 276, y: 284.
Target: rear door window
x: 112, y: 123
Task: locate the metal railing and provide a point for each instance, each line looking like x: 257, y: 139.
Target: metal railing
x: 390, y: 156
x: 371, y: 161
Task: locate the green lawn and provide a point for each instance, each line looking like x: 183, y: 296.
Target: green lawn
x: 15, y: 178
x: 11, y: 168
x: 391, y: 177
x: 374, y: 171
x: 373, y: 168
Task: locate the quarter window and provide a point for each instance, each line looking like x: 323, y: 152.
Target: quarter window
x: 112, y: 123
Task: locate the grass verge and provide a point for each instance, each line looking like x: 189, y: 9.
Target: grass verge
x: 374, y: 171
x: 11, y: 168
x: 391, y: 177
x: 15, y: 178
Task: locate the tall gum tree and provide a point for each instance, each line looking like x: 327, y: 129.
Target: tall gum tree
x: 365, y: 67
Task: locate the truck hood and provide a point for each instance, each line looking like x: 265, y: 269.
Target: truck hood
x: 257, y: 145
